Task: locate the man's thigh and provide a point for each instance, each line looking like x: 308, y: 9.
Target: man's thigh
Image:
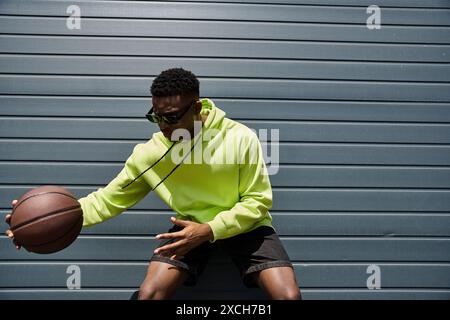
x: 278, y: 283
x: 193, y: 262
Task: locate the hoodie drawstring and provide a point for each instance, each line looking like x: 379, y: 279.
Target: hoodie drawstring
x: 192, y: 148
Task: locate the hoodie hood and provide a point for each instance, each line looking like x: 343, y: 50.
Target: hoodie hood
x: 215, y: 115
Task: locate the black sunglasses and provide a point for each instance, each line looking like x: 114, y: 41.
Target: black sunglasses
x: 153, y: 117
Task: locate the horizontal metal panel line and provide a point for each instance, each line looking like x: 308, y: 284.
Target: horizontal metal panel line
x: 282, y: 165
x: 299, y: 212
x: 69, y: 36
x: 316, y: 143
x: 364, y: 189
x: 57, y: 96
x: 281, y: 188
x: 230, y: 20
x: 222, y: 98
x: 282, y: 120
x: 362, y: 287
x: 281, y: 143
x: 93, y: 55
x: 311, y: 3
x: 307, y: 3
x: 68, y: 76
x: 281, y: 100
x: 303, y: 288
x: 225, y: 78
x: 61, y: 261
x: 302, y: 165
x: 232, y: 39
x: 268, y: 5
x: 341, y: 165
x: 297, y: 263
x: 295, y: 212
x: 295, y: 236
x: 333, y: 262
x: 236, y: 98
x: 291, y: 238
x: 249, y: 120
x: 328, y: 42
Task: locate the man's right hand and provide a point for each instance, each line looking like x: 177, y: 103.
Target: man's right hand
x: 8, y: 232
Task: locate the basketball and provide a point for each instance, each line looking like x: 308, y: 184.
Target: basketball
x: 46, y: 219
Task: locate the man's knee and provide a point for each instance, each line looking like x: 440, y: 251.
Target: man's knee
x: 161, y: 281
x: 289, y: 294
x: 151, y: 292
x: 293, y: 294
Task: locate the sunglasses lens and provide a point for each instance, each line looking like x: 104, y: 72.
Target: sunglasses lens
x: 152, y: 118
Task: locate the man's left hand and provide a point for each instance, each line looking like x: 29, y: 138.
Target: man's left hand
x: 192, y: 235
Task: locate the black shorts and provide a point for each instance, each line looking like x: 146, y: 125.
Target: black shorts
x: 252, y: 251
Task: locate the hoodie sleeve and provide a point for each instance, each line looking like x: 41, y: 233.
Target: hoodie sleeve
x: 255, y: 196
x: 112, y: 200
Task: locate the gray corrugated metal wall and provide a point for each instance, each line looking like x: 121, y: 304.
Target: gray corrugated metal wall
x: 364, y: 125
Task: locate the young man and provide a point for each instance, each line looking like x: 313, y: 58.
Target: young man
x: 210, y: 171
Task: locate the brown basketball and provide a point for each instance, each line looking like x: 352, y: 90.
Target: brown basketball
x: 46, y: 219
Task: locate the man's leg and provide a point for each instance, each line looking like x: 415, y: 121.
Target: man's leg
x: 164, y: 275
x: 161, y: 281
x: 278, y: 283
x: 263, y: 261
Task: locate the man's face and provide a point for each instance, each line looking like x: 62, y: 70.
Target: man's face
x: 180, y: 105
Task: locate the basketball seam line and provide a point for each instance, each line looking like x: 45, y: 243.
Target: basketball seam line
x: 39, y: 194
x: 43, y: 244
x: 16, y: 227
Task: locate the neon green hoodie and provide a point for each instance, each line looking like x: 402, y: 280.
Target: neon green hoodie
x: 228, y: 188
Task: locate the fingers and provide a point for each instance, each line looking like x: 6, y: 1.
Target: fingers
x: 8, y: 232
x: 8, y: 216
x: 180, y: 223
x: 176, y: 257
x: 169, y: 248
x: 170, y: 235
x: 178, y: 234
x: 173, y: 250
x: 10, y: 235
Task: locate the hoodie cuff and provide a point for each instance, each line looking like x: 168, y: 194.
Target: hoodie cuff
x: 219, y: 229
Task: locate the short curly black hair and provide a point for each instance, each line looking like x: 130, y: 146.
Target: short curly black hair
x: 175, y: 81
